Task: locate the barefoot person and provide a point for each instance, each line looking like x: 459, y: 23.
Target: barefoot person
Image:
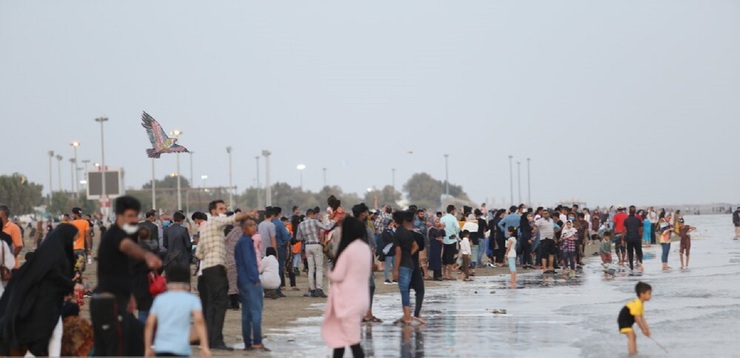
x: 685, y: 247
x: 349, y: 294
x: 632, y: 227
x: 452, y: 229
x: 633, y: 312
x: 405, y: 247
x: 511, y: 253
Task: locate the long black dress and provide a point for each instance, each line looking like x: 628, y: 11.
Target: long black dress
x: 32, y: 304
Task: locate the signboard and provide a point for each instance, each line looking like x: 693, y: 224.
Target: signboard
x: 113, y: 184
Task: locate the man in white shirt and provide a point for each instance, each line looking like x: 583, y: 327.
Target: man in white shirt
x: 546, y: 228
x: 452, y: 229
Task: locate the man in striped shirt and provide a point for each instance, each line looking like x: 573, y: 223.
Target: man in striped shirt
x: 309, y: 233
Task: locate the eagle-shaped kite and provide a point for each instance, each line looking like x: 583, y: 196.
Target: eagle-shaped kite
x: 161, y: 143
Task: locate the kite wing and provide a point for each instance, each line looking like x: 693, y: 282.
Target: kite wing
x: 175, y: 148
x: 156, y: 134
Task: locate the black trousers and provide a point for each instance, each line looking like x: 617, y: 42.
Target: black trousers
x: 501, y: 251
x: 217, y: 302
x: 417, y: 283
x: 634, y: 246
x: 116, y: 332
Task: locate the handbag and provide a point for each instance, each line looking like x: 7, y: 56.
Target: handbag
x: 5, y: 274
x: 157, y: 283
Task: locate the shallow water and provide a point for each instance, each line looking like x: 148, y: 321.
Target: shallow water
x: 693, y: 312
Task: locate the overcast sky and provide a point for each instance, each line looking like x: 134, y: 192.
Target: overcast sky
x: 614, y: 102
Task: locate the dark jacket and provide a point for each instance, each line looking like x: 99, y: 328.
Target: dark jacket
x: 178, y: 244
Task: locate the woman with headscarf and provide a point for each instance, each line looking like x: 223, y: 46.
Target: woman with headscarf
x: 31, y: 308
x: 349, y: 295
x: 497, y: 234
x: 436, y: 234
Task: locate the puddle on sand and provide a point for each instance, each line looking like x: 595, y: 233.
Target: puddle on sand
x: 557, y: 315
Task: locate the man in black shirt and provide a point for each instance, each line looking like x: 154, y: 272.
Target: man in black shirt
x: 117, y: 332
x: 405, y: 247
x: 736, y: 222
x: 632, y: 227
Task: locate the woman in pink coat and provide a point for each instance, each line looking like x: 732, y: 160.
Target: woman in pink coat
x: 349, y: 296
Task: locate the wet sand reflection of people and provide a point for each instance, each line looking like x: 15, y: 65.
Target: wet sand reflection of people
x: 411, y: 348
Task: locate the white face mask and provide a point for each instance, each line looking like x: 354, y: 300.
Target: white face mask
x: 130, y: 229
x: 222, y: 215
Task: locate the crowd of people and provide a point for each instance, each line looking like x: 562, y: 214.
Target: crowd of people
x: 238, y: 259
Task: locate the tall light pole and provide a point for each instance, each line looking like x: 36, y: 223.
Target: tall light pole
x: 324, y: 169
x: 511, y: 179
x: 86, y: 180
x: 103, y: 168
x: 51, y: 190
x: 231, y: 185
x: 529, y: 187
x: 259, y: 189
x: 177, y: 133
x: 300, y: 168
x: 76, y: 185
x: 59, y: 168
x: 154, y: 187
x: 447, y: 176
x: 519, y: 179
x: 268, y: 190
x: 192, y: 184
x: 72, y: 163
x: 204, y: 177
x: 393, y: 178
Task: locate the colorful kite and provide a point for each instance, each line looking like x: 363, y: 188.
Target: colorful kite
x: 161, y: 143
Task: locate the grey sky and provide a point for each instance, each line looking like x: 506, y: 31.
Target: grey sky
x: 632, y: 102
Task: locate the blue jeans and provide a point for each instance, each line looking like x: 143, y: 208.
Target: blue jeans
x: 666, y: 249
x: 390, y: 262
x: 404, y: 284
x: 282, y: 256
x: 251, y: 296
x: 143, y: 315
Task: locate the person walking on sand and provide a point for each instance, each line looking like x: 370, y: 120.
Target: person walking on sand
x: 685, y: 247
x: 632, y: 227
x: 736, y: 222
x: 349, y: 294
x: 452, y: 229
x: 665, y: 229
x: 511, y: 253
x: 250, y: 286
x: 405, y: 247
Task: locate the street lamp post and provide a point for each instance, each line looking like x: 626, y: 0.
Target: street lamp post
x: 447, y: 176
x: 154, y: 188
x: 511, y: 179
x: 231, y: 185
x: 76, y: 179
x: 51, y: 190
x: 324, y: 169
x: 268, y: 190
x: 519, y: 179
x: 59, y: 168
x: 529, y: 187
x: 72, y: 163
x: 259, y: 190
x: 103, y: 168
x: 86, y: 180
x: 192, y: 183
x: 176, y: 133
x: 300, y: 168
